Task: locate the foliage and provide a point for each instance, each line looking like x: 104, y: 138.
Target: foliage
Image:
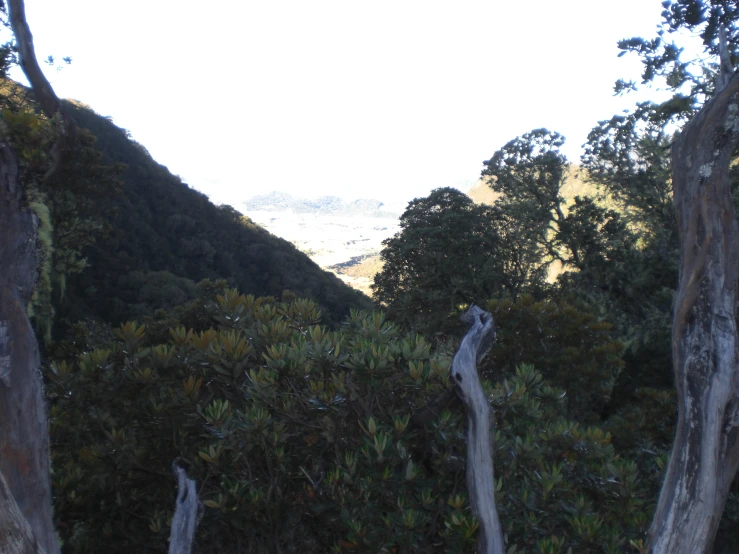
x: 301, y: 440
x: 159, y: 224
x: 448, y: 254
x: 597, y: 238
x: 572, y: 348
x: 628, y: 156
x: 618, y: 253
x: 529, y: 173
x: 40, y: 308
x: 65, y: 204
x: 301, y: 437
x: 112, y: 216
x: 692, y: 80
x: 567, y: 487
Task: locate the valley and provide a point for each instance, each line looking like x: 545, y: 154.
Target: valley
x: 344, y: 237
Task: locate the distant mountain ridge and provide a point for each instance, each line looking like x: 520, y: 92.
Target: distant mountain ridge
x: 323, y: 205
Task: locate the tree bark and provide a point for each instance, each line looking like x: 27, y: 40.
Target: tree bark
x: 24, y: 437
x: 16, y: 536
x: 480, y: 475
x: 705, y: 454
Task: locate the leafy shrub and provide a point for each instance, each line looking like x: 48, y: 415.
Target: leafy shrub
x: 571, y: 347
x: 301, y: 440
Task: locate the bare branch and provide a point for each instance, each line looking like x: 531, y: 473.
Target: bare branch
x: 725, y: 67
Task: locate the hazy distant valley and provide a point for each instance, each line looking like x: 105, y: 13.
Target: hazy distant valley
x: 344, y: 237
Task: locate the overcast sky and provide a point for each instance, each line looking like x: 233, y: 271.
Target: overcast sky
x: 381, y: 99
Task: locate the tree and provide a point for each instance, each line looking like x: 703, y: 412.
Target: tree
x: 448, y: 254
x: 529, y: 173
x: 25, y: 485
x: 599, y: 249
x: 573, y: 350
x: 24, y: 439
x: 705, y: 344
x: 628, y: 156
x: 628, y: 159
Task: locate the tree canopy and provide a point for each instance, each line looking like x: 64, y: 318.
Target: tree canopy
x: 448, y: 254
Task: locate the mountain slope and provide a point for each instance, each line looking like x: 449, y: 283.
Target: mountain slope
x: 165, y: 236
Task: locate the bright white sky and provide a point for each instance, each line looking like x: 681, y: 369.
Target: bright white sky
x: 386, y: 99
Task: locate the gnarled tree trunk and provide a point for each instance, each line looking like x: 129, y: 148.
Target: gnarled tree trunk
x: 704, y: 336
x: 24, y: 437
x: 480, y: 475
x: 16, y: 536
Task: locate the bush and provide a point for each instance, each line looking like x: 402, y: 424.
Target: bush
x: 301, y: 440
x: 571, y: 347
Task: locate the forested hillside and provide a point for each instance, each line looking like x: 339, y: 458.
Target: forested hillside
x: 161, y: 237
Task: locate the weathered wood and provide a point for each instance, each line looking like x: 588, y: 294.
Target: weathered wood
x: 187, y: 513
x: 480, y: 481
x: 705, y: 454
x: 16, y: 536
x: 24, y: 437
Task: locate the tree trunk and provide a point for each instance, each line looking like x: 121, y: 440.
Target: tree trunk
x: 24, y: 437
x: 480, y: 476
x: 42, y: 89
x: 16, y: 536
x: 704, y: 336
x: 187, y: 513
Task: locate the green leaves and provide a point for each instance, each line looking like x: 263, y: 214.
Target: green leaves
x: 448, y: 254
x: 664, y: 60
x: 317, y: 429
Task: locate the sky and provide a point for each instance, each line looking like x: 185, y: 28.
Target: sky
x: 386, y: 99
